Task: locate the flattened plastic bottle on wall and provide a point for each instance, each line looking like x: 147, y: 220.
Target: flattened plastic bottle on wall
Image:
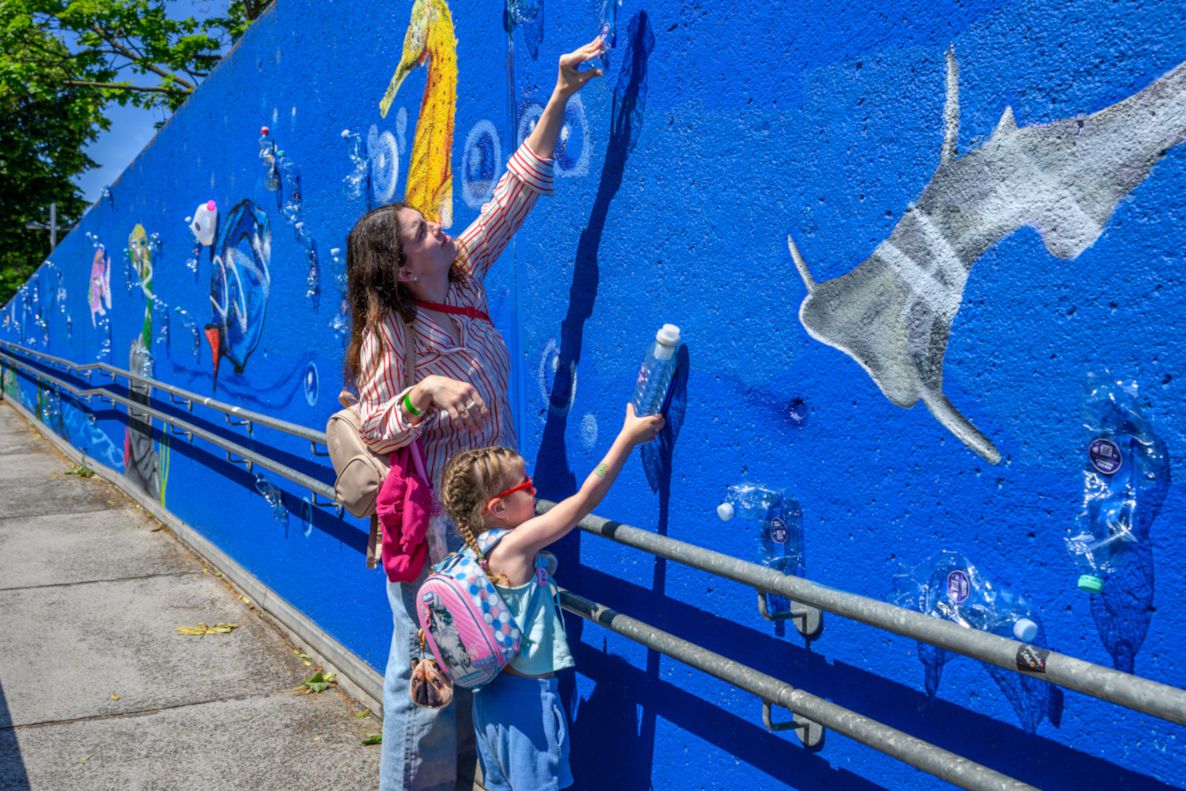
x: 950, y: 587
x: 656, y: 372
x: 1125, y: 479
x: 777, y: 523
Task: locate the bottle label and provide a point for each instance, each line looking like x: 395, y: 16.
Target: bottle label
x: 1105, y: 455
x: 778, y: 531
x: 958, y: 586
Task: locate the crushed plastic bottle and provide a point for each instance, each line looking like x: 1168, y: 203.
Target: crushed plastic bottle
x: 656, y: 372
x: 267, y: 157
x: 607, y: 29
x: 1126, y: 476
x: 949, y: 586
x: 777, y: 522
x: 356, y: 179
x: 274, y: 497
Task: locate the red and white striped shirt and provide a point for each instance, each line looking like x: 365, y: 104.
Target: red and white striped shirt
x: 481, y: 359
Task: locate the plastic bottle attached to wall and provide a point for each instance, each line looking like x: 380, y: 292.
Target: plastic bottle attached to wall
x: 204, y: 222
x: 653, y: 387
x: 949, y: 586
x: 776, y: 523
x: 1125, y: 480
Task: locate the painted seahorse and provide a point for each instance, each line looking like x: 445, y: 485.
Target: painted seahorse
x: 430, y: 173
x: 893, y: 312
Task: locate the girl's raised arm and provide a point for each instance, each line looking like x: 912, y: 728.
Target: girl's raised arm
x: 535, y: 534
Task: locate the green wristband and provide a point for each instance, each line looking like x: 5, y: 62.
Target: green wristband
x: 408, y: 405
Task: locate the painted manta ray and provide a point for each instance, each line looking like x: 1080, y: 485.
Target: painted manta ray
x: 893, y: 313
x: 239, y: 285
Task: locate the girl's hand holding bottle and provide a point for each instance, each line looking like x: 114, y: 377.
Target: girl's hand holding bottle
x: 640, y: 430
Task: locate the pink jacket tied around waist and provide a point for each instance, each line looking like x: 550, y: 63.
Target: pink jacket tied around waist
x: 404, y: 506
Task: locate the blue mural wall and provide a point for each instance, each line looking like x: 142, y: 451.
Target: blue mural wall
x: 987, y: 201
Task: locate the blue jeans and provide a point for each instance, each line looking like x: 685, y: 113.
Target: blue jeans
x: 420, y: 746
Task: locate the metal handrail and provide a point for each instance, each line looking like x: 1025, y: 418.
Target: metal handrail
x: 187, y: 397
x: 891, y: 741
x: 1137, y: 693
x: 314, y: 486
x: 1125, y: 689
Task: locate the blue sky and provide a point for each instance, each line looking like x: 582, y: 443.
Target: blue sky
x: 132, y: 128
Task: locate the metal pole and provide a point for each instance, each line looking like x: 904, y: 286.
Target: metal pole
x: 909, y: 749
x: 1134, y: 692
x: 53, y: 226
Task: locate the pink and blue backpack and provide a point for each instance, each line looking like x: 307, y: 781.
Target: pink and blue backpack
x: 463, y: 619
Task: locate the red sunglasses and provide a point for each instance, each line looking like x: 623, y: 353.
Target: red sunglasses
x: 527, y: 484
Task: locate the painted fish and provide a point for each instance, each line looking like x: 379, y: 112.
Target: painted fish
x: 239, y: 285
x: 99, y: 288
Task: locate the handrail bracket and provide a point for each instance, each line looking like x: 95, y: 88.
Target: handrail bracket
x: 808, y: 620
x: 810, y: 732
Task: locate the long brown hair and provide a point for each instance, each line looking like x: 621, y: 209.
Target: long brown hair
x: 374, y: 256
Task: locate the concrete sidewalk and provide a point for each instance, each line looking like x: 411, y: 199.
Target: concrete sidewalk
x: 98, y: 690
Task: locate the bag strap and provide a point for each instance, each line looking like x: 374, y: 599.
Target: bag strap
x: 409, y: 352
x: 456, y: 310
x: 374, y: 543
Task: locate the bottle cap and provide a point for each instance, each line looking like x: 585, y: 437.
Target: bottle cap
x: 1090, y: 583
x: 668, y: 335
x: 1025, y: 630
x: 211, y: 206
x: 725, y: 512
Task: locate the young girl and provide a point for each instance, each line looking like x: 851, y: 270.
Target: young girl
x: 519, y: 720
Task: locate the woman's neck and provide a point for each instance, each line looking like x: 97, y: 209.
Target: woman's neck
x: 430, y: 288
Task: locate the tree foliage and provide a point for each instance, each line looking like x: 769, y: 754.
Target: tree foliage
x: 62, y: 63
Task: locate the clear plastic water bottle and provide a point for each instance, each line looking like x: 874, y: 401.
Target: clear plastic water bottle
x: 949, y: 586
x: 1126, y: 477
x: 777, y: 521
x: 656, y: 372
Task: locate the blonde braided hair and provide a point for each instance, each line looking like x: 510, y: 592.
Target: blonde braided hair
x: 469, y: 481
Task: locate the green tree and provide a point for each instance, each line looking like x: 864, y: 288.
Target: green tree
x: 62, y: 62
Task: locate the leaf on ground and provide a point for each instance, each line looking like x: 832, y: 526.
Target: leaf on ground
x: 362, y: 714
x: 114, y: 696
x: 85, y: 758
x: 158, y: 528
x: 201, y: 630
x: 81, y: 470
x: 373, y: 738
x: 318, y: 682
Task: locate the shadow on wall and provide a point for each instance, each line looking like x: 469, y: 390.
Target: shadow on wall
x: 609, y: 717
x: 12, y: 766
x: 554, y: 477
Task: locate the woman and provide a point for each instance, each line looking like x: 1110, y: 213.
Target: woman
x: 402, y: 268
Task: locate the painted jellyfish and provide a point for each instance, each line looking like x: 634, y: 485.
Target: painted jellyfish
x: 99, y: 287
x: 239, y: 286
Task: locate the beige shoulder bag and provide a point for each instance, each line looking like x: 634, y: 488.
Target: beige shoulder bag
x: 359, y: 470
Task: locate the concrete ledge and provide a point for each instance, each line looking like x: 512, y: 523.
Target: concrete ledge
x: 355, y: 677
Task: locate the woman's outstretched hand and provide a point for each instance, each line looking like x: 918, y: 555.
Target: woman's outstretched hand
x: 571, y: 79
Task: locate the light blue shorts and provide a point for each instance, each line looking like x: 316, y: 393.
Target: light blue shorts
x: 522, y: 734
